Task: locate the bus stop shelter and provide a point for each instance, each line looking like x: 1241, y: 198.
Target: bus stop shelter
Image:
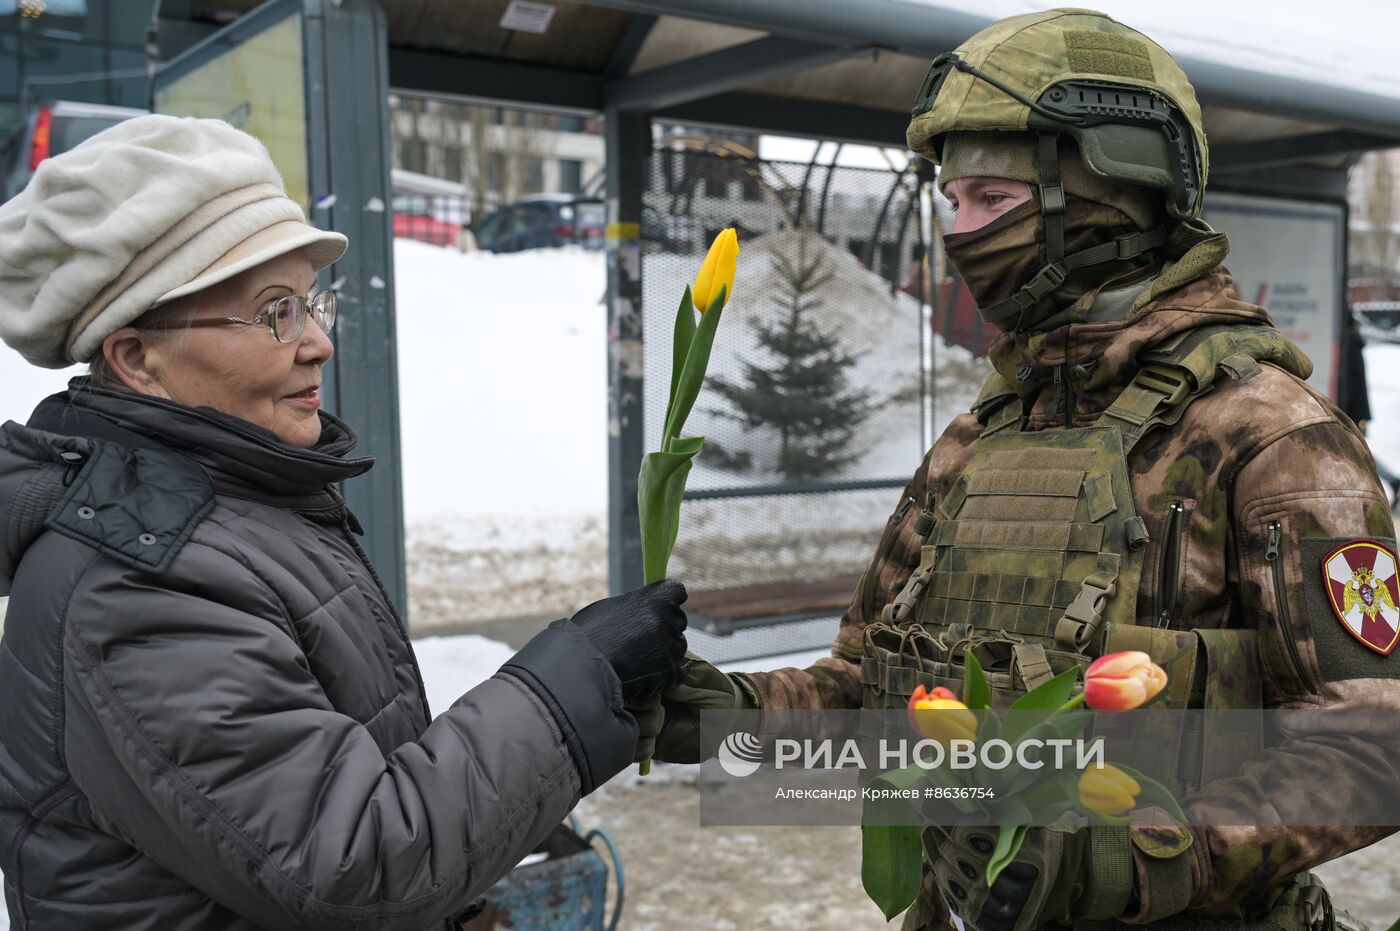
x: 844, y: 70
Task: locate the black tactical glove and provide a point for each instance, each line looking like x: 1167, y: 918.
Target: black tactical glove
x: 641, y: 634
x: 670, y: 729
x: 1057, y: 875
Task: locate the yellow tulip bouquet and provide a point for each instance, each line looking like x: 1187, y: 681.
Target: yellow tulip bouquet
x: 891, y: 862
x: 661, y: 483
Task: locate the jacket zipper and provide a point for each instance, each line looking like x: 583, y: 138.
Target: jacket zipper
x: 1069, y: 397
x: 1171, y: 565
x: 1272, y: 553
x: 903, y: 509
x: 398, y: 618
x: 1061, y: 382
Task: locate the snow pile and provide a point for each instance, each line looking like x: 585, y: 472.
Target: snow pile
x: 503, y: 420
x: 853, y: 306
x: 503, y: 407
x: 755, y: 540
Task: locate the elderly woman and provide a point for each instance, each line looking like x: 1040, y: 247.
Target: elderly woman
x: 210, y: 712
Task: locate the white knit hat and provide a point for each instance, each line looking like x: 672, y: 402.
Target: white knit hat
x: 152, y: 209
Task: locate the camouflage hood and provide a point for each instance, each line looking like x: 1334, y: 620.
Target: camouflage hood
x: 1082, y: 364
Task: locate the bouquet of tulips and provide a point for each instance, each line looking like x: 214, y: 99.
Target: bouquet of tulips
x: 661, y: 483
x: 891, y: 865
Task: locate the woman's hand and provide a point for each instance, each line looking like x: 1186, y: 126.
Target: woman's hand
x: 642, y: 635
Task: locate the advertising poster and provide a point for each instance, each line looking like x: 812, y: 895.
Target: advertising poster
x: 257, y: 85
x: 1286, y: 256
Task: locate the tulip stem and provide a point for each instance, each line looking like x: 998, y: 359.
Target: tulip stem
x: 1074, y: 702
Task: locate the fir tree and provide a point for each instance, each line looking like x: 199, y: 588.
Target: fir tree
x: 804, y: 395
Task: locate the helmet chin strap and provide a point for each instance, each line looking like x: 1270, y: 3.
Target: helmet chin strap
x: 1058, y: 265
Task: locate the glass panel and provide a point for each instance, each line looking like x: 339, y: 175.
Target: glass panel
x: 68, y: 131
x: 570, y: 175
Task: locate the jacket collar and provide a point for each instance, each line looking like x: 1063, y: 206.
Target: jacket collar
x: 241, y: 459
x: 1085, y: 364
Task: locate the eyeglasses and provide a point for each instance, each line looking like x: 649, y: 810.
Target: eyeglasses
x: 285, y: 317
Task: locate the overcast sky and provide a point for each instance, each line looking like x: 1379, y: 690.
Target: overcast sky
x: 1340, y: 41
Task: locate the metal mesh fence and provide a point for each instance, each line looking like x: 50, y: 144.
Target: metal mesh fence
x: 818, y: 402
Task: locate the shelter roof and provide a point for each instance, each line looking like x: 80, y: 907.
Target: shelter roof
x: 848, y: 69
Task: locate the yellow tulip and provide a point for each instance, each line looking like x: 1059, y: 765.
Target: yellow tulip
x: 1108, y: 791
x: 940, y: 717
x: 718, y: 270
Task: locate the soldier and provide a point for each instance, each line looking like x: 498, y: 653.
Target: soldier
x: 1145, y: 468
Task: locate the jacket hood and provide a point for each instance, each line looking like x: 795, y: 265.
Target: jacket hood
x: 156, y: 460
x: 1075, y: 371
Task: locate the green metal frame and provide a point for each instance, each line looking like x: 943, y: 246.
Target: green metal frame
x: 345, y: 43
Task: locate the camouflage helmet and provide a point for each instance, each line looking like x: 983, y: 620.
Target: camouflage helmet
x: 1125, y: 102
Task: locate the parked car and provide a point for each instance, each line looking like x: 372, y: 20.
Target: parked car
x: 676, y: 233
x: 543, y: 221
x: 49, y: 129
x: 416, y: 218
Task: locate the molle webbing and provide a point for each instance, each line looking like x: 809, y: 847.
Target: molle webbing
x: 1027, y: 537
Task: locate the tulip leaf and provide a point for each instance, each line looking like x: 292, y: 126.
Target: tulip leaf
x: 1008, y: 809
x: 891, y: 866
x: 976, y: 695
x: 1009, y: 840
x: 1025, y: 725
x: 1154, y: 793
x: 697, y: 359
x: 660, y: 486
x: 919, y: 778
x: 891, y: 862
x: 1050, y: 694
x: 680, y: 347
x: 1045, y: 800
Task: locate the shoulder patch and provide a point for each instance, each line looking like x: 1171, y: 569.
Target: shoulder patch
x: 138, y: 506
x: 1360, y: 578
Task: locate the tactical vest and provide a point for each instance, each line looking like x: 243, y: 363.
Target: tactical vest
x: 1033, y: 560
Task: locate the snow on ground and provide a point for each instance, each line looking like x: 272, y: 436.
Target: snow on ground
x: 1383, y: 391
x: 453, y: 665
x: 503, y: 407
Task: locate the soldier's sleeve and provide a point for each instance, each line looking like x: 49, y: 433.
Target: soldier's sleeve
x: 834, y: 682
x: 1310, y: 520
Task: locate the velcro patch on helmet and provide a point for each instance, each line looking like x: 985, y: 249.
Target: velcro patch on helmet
x: 1108, y: 53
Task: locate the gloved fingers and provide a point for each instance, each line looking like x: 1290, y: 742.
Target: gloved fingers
x: 679, y: 740
x: 1020, y: 898
x: 667, y: 590
x: 977, y: 838
x: 701, y: 698
x: 999, y: 915
x: 963, y: 894
x: 649, y: 716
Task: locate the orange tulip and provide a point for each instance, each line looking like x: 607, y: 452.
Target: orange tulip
x: 717, y: 270
x: 1108, y: 791
x: 1122, y: 681
x: 939, y: 716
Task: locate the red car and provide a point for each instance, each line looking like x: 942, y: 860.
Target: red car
x: 428, y: 229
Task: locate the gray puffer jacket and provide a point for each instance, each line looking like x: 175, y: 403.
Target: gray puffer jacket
x: 210, y: 715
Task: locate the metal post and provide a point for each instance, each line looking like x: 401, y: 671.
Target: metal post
x: 347, y: 92
x: 628, y: 148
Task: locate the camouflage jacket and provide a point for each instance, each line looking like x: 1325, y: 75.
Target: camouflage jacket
x: 1248, y: 459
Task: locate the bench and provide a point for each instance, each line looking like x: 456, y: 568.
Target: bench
x: 725, y: 610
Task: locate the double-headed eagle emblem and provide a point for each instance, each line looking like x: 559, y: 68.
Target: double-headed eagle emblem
x: 1366, y: 594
